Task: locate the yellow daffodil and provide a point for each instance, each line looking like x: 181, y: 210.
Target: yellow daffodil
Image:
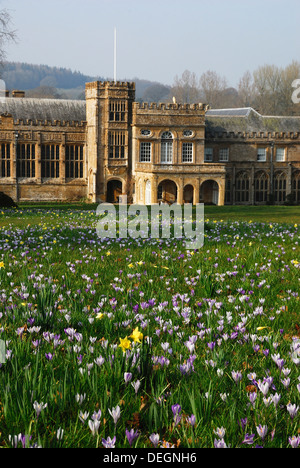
x: 1, y: 264
x: 99, y: 315
x: 136, y: 335
x: 124, y: 344
x: 130, y: 265
x: 108, y: 253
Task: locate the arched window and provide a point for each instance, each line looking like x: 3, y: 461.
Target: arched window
x: 166, y: 148
x: 296, y: 186
x: 261, y: 185
x: 280, y: 187
x: 242, y: 187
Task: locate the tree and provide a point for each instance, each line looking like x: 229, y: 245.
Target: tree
x: 185, y: 89
x: 245, y: 90
x: 212, y: 88
x: 267, y: 85
x: 6, y: 33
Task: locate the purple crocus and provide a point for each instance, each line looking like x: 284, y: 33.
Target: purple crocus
x: 131, y: 435
x: 176, y: 409
x: 154, y: 439
x: 248, y: 439
x: 262, y: 431
x: 109, y: 443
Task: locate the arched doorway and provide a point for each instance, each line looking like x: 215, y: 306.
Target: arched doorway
x: 167, y: 192
x: 114, y: 191
x: 209, y: 192
x: 188, y: 194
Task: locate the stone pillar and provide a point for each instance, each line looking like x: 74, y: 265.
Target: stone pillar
x: 252, y: 185
x: 14, y: 148
x: 289, y: 179
x: 39, y: 159
x: 62, y: 160
x: 221, y: 201
x: 180, y: 191
x: 154, y: 190
x: 197, y: 192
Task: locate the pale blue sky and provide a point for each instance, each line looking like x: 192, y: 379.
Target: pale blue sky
x: 156, y: 39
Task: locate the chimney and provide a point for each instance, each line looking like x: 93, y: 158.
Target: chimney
x: 18, y: 94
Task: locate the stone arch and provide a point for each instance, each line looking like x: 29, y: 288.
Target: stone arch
x: 209, y: 192
x: 188, y: 194
x: 114, y: 189
x: 167, y: 191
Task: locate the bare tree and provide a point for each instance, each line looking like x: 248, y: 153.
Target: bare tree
x: 285, y: 103
x: 212, y: 87
x: 185, y: 89
x: 245, y: 90
x: 267, y: 84
x: 7, y: 34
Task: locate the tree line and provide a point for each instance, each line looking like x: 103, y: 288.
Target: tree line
x: 268, y: 89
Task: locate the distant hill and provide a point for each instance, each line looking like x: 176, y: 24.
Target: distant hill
x: 45, y: 81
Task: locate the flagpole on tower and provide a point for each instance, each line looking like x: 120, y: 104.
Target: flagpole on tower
x: 115, y: 55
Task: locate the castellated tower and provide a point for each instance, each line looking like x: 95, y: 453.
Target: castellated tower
x: 109, y: 118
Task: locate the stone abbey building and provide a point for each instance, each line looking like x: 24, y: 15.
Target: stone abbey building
x: 109, y: 145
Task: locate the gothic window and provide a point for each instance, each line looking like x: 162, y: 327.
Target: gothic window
x: 167, y: 148
x: 117, y: 111
x: 242, y: 188
x: 296, y: 186
x: 74, y: 162
x: 50, y: 161
x: 145, y: 151
x: 261, y: 185
x: 280, y: 184
x: 5, y: 160
x: 116, y: 145
x: 187, y: 152
x: 25, y: 160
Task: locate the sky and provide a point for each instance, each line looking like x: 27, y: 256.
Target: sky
x: 157, y: 39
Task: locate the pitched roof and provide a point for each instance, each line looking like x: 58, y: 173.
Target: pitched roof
x: 44, y: 109
x: 248, y: 120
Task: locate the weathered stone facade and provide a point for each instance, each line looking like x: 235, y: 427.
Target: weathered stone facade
x: 109, y: 145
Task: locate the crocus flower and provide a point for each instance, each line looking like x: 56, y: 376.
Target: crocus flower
x: 115, y: 413
x: 109, y: 443
x: 94, y: 426
x: 154, y: 438
x: 219, y: 443
x: 262, y: 431
x: 292, y: 409
x: 131, y: 435
x: 294, y: 441
x: 127, y: 376
x: 248, y: 439
x: 39, y: 407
